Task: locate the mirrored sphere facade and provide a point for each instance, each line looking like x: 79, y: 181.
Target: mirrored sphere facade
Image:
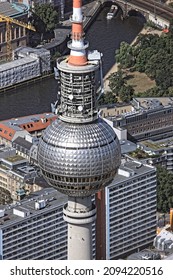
x: 79, y: 159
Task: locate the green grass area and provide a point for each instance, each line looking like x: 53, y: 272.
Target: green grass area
x: 14, y: 158
x: 139, y: 154
x: 152, y: 145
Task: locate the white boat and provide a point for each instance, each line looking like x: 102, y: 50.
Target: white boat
x: 112, y: 12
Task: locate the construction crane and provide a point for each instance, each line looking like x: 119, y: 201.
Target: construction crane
x: 10, y: 21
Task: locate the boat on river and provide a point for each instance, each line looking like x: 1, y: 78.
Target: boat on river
x: 113, y: 11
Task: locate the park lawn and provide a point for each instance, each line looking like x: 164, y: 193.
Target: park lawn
x: 140, y: 81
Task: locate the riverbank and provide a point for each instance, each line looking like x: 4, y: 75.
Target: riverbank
x: 145, y: 30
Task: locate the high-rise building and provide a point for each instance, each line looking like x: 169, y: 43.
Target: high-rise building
x: 34, y: 228
x: 129, y: 207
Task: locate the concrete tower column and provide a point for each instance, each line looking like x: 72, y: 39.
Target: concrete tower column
x: 80, y: 214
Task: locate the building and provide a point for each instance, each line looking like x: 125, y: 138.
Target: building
x: 28, y: 63
x: 17, y: 176
x: 18, y: 34
x: 34, y: 228
x: 163, y: 242
x: 6, y: 151
x: 130, y: 197
x: 22, y: 147
x: 115, y: 110
x: 159, y: 152
x: 129, y: 207
x: 24, y: 127
x: 151, y: 118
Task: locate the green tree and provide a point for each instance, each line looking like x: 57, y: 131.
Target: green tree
x: 108, y: 98
x: 125, y: 56
x: 171, y: 28
x: 119, y: 87
x: 44, y: 18
x: 126, y: 93
x: 116, y: 81
x: 164, y: 190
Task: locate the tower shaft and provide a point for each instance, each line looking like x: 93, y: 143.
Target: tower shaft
x: 80, y: 214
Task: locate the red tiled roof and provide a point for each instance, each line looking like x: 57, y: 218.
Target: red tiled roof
x: 31, y: 123
x: 6, y: 132
x: 41, y: 124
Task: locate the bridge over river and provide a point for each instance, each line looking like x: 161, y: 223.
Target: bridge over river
x: 158, y: 13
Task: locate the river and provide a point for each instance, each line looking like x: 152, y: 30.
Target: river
x: 103, y: 35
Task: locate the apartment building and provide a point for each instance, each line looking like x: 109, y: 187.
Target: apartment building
x: 34, y: 228
x: 17, y: 177
x: 129, y: 207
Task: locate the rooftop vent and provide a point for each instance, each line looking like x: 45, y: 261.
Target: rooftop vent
x: 2, y: 213
x: 40, y: 204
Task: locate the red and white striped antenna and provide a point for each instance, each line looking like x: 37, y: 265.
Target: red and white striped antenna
x: 77, y: 45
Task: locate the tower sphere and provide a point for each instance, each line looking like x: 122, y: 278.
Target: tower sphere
x: 79, y: 159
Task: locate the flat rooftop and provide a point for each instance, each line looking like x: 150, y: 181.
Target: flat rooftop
x: 12, y: 9
x: 52, y: 197
x: 154, y: 102
x: 15, y: 158
x: 158, y: 145
x: 127, y: 146
x: 136, y: 168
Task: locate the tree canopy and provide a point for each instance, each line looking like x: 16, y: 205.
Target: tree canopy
x: 164, y: 190
x: 153, y: 55
x: 119, y: 87
x: 44, y: 18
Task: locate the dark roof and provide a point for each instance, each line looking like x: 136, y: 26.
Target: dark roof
x: 22, y: 142
x: 40, y: 181
x: 12, y: 9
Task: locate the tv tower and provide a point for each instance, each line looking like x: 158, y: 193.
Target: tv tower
x: 79, y: 153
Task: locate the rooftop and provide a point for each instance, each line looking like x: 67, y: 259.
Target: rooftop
x: 133, y: 168
x: 127, y: 146
x: 12, y: 9
x: 153, y: 102
x: 30, y: 124
x: 15, y: 158
x: 16, y: 63
x: 158, y: 145
x: 22, y: 142
x: 52, y: 198
x: 143, y: 105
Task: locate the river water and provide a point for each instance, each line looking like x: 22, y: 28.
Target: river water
x: 103, y: 35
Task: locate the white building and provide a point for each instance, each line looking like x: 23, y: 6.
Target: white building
x: 130, y: 211
x: 34, y: 228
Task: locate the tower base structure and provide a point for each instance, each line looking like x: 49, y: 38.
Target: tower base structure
x: 79, y: 213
